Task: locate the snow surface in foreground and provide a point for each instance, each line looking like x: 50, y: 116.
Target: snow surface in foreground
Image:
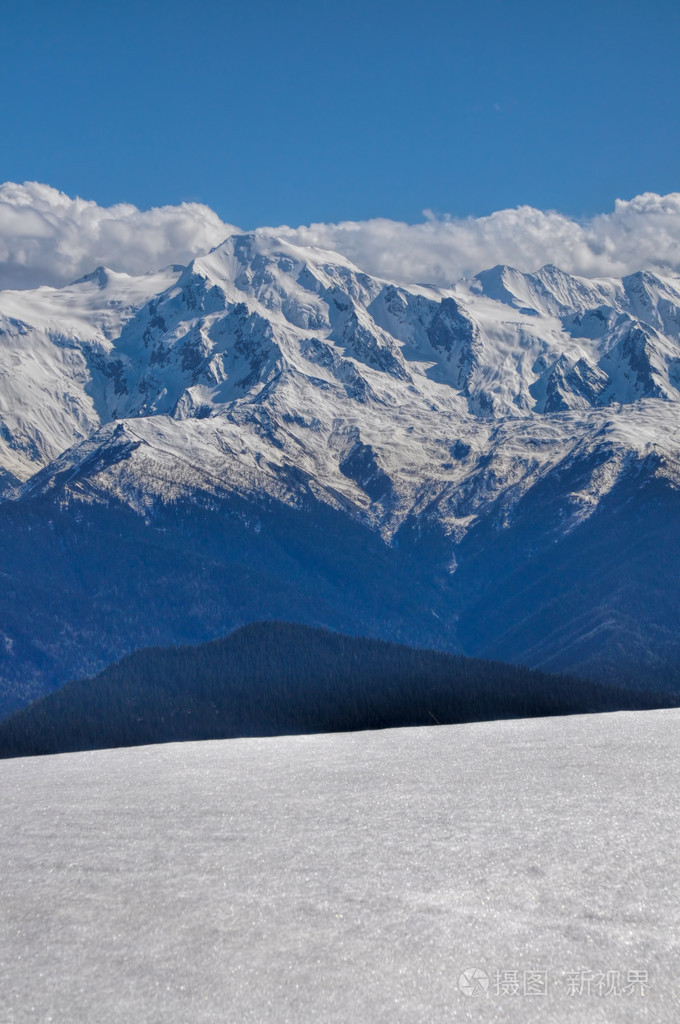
x: 347, y: 878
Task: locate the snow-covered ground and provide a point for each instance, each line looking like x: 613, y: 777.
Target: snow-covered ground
x: 349, y: 878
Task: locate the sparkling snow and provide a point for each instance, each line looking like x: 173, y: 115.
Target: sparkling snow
x: 349, y: 878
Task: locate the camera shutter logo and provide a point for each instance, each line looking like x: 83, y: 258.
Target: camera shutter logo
x: 474, y: 982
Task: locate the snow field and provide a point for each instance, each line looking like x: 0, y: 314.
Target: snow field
x: 348, y: 878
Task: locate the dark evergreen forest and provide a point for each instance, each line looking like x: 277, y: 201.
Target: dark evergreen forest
x: 276, y: 678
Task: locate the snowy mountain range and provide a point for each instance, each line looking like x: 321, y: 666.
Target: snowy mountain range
x: 271, y: 432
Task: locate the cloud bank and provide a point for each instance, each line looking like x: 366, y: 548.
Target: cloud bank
x: 48, y: 238
x: 640, y: 234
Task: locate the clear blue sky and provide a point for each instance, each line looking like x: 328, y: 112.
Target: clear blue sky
x: 297, y: 111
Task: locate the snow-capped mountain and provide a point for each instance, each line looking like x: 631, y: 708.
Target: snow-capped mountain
x: 450, y: 439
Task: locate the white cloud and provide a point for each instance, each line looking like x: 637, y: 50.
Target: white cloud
x: 48, y: 238
x: 642, y: 233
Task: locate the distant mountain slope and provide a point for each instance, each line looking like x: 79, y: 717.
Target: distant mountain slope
x: 270, y: 432
x: 278, y: 678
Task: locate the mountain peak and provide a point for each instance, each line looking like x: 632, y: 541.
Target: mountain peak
x: 100, y: 276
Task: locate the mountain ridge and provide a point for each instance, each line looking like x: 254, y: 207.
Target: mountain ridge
x: 280, y: 376
x: 278, y: 678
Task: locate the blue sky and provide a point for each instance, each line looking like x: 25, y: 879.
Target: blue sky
x: 294, y: 112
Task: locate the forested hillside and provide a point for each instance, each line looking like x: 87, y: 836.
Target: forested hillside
x: 277, y: 678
